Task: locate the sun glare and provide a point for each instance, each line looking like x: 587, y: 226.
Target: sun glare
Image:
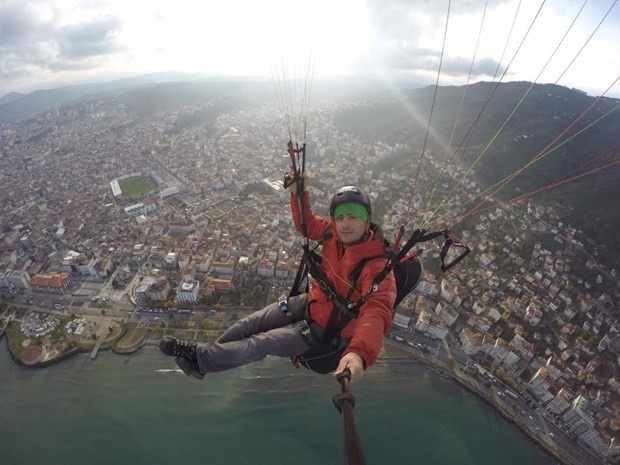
x: 246, y: 37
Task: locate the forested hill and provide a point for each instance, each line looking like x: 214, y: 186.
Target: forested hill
x: 517, y: 123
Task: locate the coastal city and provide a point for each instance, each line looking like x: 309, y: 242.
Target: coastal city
x: 118, y: 227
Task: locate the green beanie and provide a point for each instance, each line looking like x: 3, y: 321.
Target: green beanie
x: 356, y: 209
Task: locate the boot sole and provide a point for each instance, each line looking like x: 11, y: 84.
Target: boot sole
x: 164, y: 344
x: 187, y: 368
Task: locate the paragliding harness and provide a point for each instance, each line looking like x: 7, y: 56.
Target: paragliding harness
x: 325, y: 351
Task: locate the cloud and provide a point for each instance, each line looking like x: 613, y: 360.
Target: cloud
x: 98, y: 37
x: 34, y: 40
x: 402, y: 19
x: 20, y: 23
x: 405, y: 58
x: 459, y: 67
x: 7, y: 73
x: 44, y: 40
x: 405, y: 31
x: 29, y: 58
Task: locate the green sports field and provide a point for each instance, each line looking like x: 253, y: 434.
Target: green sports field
x: 139, y: 185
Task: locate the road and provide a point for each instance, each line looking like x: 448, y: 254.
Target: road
x: 67, y: 304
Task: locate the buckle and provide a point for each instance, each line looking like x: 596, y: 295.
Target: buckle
x: 350, y: 313
x: 283, y: 303
x: 306, y: 333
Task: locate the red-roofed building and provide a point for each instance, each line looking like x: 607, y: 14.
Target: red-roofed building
x: 52, y: 283
x: 222, y: 286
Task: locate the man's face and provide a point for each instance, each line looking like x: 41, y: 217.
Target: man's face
x: 350, y: 228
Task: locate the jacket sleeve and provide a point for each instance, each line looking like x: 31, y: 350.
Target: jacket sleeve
x: 315, y: 224
x: 375, y: 318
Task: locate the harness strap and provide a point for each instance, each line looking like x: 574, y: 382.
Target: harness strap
x: 353, y: 312
x: 326, y: 286
x: 340, y: 306
x: 302, y: 273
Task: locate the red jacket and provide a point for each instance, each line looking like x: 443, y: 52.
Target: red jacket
x: 375, y: 318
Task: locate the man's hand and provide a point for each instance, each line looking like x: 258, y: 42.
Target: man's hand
x: 289, y: 178
x: 292, y: 175
x: 352, y: 362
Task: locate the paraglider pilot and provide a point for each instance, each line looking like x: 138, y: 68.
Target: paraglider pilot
x: 298, y: 325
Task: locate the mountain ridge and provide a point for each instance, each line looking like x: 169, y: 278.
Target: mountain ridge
x: 16, y: 106
x: 520, y: 122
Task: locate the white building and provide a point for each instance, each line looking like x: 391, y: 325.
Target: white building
x: 135, y: 209
x: 171, y: 261
x: 116, y: 188
x: 447, y: 291
x: 511, y: 360
x: 16, y: 279
x: 561, y: 403
x: 401, y: 321
x: 541, y: 385
x: 448, y: 314
x: 142, y: 289
x: 188, y: 291
x: 592, y: 438
x: 423, y: 322
x: 427, y: 288
x: 437, y: 328
x: 169, y: 192
x: 470, y: 340
x: 577, y: 418
x: 97, y: 266
x: 283, y: 269
x: 265, y: 268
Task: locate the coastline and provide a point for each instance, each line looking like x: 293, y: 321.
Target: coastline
x: 439, y: 368
x: 470, y: 385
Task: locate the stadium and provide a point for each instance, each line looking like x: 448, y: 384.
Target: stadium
x: 132, y: 185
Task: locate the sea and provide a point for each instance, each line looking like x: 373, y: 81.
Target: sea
x: 141, y: 409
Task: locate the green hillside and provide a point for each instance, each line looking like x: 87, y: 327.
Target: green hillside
x: 498, y: 136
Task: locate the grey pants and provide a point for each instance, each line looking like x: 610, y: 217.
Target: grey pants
x: 266, y: 332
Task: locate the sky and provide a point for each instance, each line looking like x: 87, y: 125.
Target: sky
x: 52, y: 43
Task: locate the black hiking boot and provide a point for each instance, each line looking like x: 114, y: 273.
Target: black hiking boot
x: 184, y: 353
